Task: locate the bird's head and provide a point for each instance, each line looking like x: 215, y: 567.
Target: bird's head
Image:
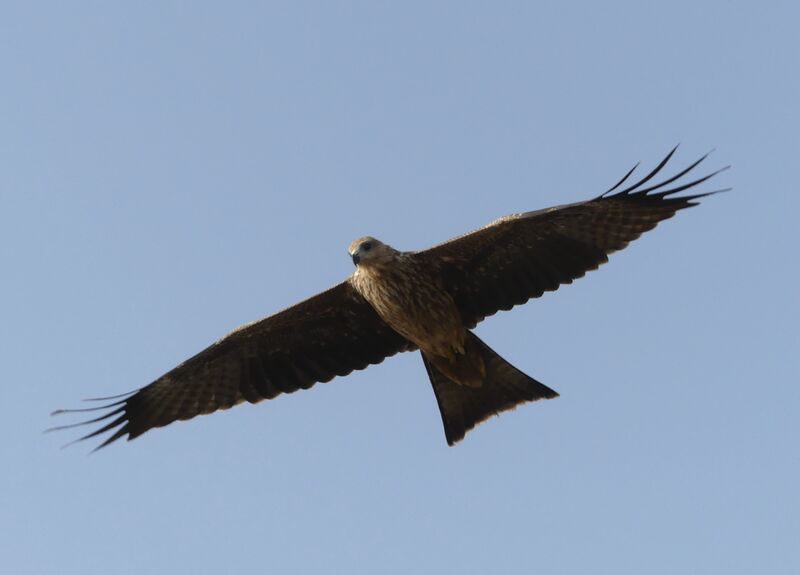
x: 369, y: 251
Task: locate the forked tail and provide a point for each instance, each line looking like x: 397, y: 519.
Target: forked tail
x: 463, y: 407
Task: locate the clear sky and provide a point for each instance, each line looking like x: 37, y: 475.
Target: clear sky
x: 170, y: 170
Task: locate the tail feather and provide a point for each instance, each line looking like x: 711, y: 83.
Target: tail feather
x: 463, y: 407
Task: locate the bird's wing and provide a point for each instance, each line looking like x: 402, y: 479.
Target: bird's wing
x: 521, y: 256
x: 330, y: 334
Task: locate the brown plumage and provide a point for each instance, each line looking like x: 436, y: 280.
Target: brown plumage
x: 402, y: 301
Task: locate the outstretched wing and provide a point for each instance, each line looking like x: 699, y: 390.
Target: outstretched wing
x: 330, y: 334
x: 521, y: 256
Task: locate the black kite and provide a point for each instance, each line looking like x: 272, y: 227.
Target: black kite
x: 404, y: 301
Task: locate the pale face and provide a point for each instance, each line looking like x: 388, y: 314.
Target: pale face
x: 368, y: 250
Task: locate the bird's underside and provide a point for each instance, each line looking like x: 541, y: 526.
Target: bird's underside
x: 405, y: 301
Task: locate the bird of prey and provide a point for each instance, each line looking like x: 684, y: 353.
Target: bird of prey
x: 404, y: 301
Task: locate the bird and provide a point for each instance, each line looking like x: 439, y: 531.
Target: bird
x: 402, y: 301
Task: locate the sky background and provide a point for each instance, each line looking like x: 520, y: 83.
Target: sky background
x: 170, y: 170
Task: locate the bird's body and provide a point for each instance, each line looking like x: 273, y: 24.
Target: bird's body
x: 402, y: 301
x: 411, y: 300
x: 406, y: 296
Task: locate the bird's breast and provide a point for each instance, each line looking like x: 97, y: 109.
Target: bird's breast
x: 411, y: 303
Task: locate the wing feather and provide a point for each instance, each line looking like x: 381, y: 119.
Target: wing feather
x: 522, y: 256
x: 330, y: 334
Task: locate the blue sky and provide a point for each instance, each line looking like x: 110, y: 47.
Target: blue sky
x: 171, y: 170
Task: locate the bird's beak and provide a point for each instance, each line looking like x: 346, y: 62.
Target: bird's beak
x: 356, y: 257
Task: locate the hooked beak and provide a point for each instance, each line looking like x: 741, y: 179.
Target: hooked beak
x: 356, y: 258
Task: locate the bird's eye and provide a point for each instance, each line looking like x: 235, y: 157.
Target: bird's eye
x: 366, y: 246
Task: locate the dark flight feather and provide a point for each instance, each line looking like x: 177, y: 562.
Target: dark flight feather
x: 330, y: 334
x: 535, y: 252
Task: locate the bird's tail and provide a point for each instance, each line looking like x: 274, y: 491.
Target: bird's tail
x: 504, y: 387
